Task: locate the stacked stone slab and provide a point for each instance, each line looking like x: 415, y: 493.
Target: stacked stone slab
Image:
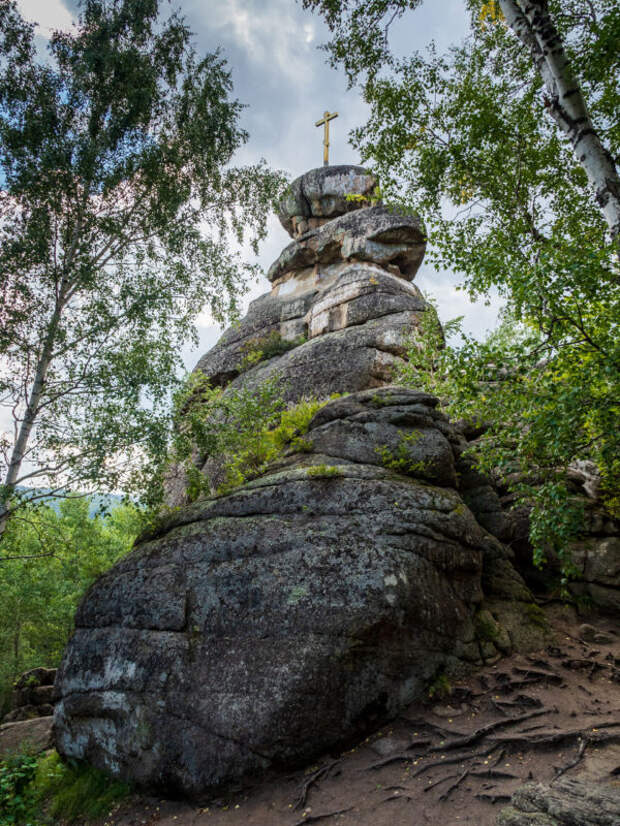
x: 341, y: 297
x: 33, y: 695
x: 257, y: 629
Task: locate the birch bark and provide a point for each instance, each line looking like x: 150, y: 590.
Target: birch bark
x: 532, y: 24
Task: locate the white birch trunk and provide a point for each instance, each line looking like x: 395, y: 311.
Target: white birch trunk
x: 32, y: 409
x: 531, y: 22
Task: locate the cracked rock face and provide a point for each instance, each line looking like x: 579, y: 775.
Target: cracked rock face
x: 259, y: 628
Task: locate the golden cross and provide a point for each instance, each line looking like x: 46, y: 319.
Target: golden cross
x: 327, y: 116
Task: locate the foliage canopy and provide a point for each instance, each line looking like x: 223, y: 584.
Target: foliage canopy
x: 117, y: 210
x: 51, y: 556
x: 470, y: 139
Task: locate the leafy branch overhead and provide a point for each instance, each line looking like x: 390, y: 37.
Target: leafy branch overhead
x: 507, y: 144
x: 117, y: 213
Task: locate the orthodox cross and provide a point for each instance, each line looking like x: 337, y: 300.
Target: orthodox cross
x: 327, y: 116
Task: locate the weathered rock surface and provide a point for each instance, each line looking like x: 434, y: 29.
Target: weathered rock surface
x: 567, y: 802
x: 597, y: 559
x: 322, y: 194
x: 262, y: 627
x: 374, y: 234
x: 595, y: 554
x: 33, y: 735
x: 345, y: 299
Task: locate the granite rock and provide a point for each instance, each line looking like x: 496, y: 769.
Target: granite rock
x: 331, y: 582
x: 376, y: 234
x: 322, y: 194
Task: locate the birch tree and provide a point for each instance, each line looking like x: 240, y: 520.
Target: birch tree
x: 532, y: 23
x: 117, y: 209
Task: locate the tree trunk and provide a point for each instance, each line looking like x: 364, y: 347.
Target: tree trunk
x: 25, y: 429
x: 531, y: 22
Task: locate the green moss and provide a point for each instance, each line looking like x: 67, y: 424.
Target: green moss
x: 486, y: 627
x: 536, y: 616
x: 323, y: 471
x: 440, y: 687
x: 381, y: 401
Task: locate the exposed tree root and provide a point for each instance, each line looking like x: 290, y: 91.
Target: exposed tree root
x: 314, y: 778
x: 582, y: 747
x: 479, y: 734
x: 445, y: 795
x: 315, y: 818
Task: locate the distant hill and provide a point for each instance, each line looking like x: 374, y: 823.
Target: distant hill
x: 97, y: 501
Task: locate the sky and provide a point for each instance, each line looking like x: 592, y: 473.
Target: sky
x: 280, y: 73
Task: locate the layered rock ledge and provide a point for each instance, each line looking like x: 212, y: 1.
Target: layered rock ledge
x: 257, y: 629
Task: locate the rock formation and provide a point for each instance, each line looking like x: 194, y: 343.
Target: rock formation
x: 341, y: 307
x: 33, y: 695
x: 258, y: 628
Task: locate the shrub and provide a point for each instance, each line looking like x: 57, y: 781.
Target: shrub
x: 16, y: 795
x: 38, y: 790
x: 400, y: 459
x: 246, y: 427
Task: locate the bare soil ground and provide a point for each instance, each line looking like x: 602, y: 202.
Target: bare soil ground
x: 528, y: 717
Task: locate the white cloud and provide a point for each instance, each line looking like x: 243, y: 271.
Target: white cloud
x: 49, y: 14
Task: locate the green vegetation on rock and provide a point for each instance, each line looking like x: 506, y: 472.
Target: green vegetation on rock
x: 400, y: 458
x: 520, y: 198
x: 243, y: 428
x: 265, y: 348
x: 42, y: 790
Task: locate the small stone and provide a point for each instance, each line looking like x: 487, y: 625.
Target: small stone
x: 388, y: 745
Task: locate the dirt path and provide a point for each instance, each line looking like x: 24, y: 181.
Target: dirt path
x: 555, y: 712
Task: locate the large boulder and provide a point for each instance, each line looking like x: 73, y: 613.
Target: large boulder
x: 260, y: 628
